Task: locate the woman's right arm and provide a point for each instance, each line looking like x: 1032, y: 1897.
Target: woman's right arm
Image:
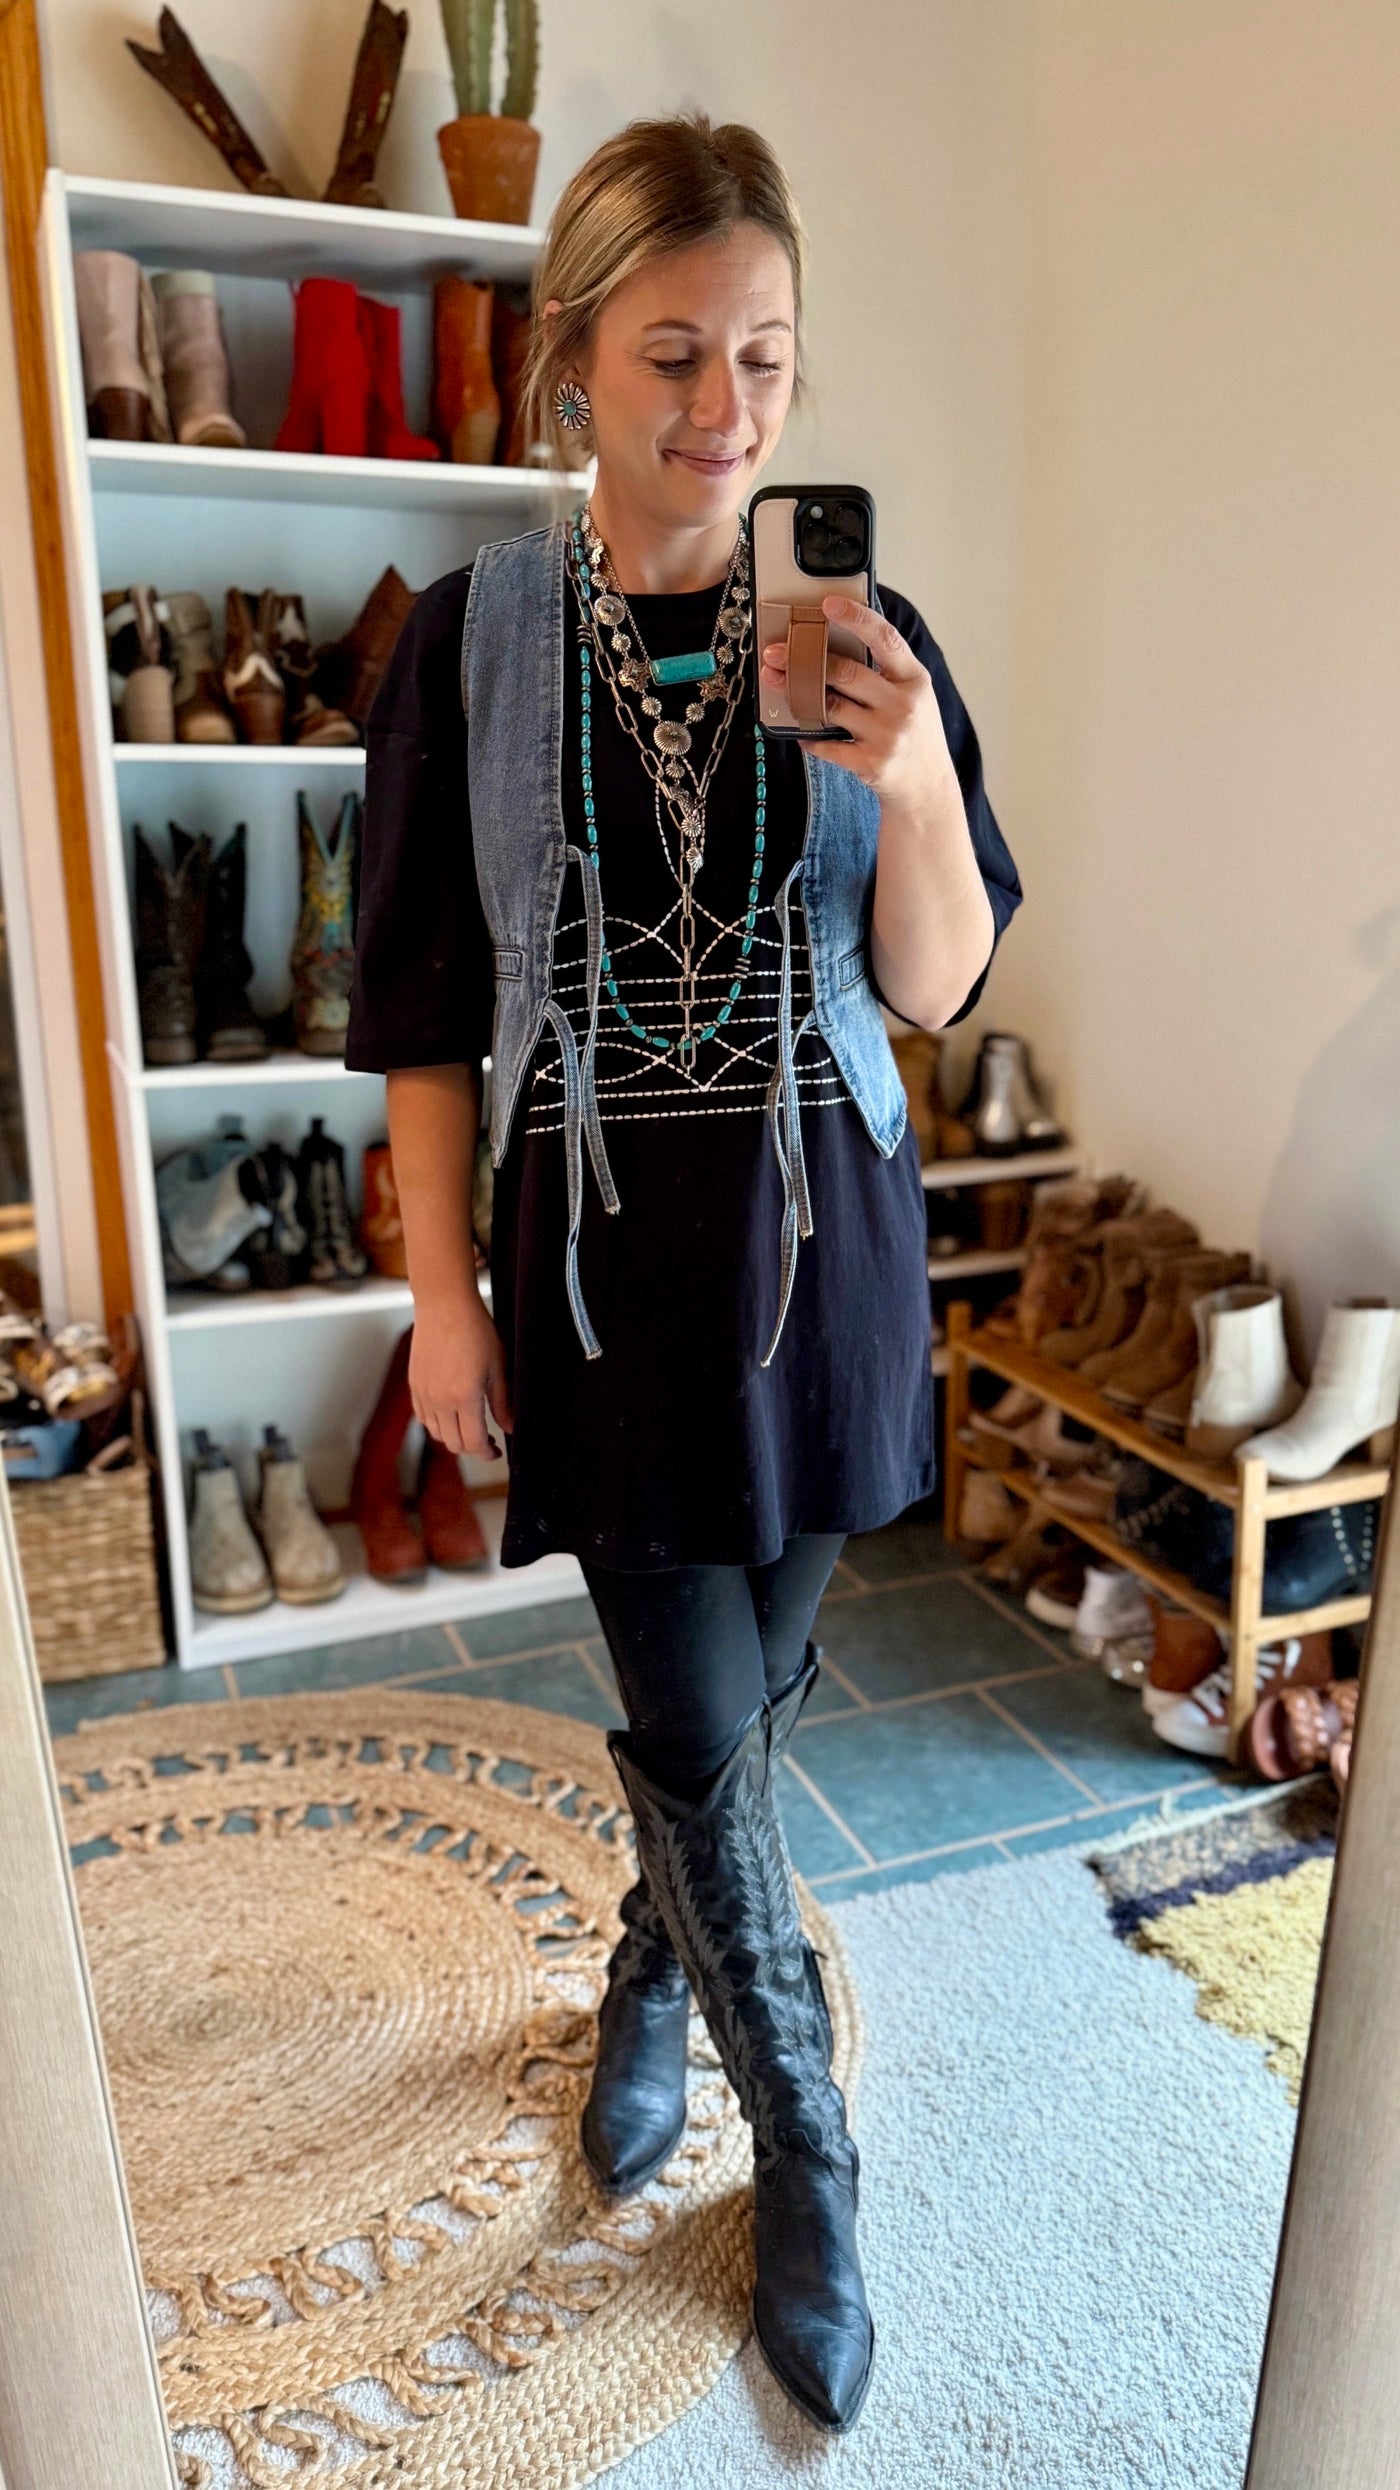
x: 421, y: 1007
x: 456, y: 1367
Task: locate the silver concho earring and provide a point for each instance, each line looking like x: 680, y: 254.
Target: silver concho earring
x: 571, y: 406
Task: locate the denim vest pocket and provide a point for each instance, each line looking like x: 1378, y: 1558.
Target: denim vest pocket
x: 509, y: 963
x: 850, y: 968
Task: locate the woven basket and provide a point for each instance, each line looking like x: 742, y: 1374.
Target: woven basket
x: 87, y: 1552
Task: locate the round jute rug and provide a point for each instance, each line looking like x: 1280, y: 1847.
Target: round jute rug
x: 347, y: 1951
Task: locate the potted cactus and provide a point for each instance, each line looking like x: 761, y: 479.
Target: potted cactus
x: 489, y: 157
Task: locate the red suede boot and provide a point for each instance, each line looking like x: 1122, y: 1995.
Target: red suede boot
x: 389, y: 435
x: 329, y: 404
x: 393, y: 1549
x: 451, y: 1531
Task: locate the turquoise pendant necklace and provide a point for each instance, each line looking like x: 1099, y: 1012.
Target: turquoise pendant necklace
x: 723, y: 663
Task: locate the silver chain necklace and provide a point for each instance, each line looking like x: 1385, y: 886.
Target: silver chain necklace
x: 608, y: 625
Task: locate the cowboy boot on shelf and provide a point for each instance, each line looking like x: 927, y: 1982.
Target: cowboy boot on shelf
x: 510, y: 346
x: 170, y: 916
x: 389, y: 434
x: 300, y: 1550
x: 276, y: 1254
x: 393, y: 1549
x: 350, y: 670
x: 307, y: 719
x: 227, y: 1573
x: 381, y: 1220
x: 447, y: 1515
x: 123, y: 380
x: 323, y: 956
x: 466, y: 407
x: 252, y: 684
x: 139, y: 670
x: 178, y: 68
x: 635, y: 2113
x: 329, y: 406
x: 336, y: 1261
x: 202, y: 715
x: 372, y: 87
x: 230, y: 1030
x: 196, y: 363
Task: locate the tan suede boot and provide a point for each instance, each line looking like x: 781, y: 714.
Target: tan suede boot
x: 1175, y: 1352
x: 1159, y: 1292
x: 196, y: 361
x: 202, y: 714
x: 300, y: 1549
x: 1122, y: 1246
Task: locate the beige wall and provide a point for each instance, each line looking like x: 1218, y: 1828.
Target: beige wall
x: 1103, y: 308
x: 1204, y: 766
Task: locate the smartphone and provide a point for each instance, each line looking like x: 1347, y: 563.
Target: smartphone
x: 808, y: 542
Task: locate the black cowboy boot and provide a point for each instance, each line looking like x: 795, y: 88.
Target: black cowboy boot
x: 635, y: 2115
x: 719, y: 1869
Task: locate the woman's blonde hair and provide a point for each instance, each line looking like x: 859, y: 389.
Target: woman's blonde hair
x: 657, y: 187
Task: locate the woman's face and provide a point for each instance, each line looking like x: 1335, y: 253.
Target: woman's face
x: 690, y: 377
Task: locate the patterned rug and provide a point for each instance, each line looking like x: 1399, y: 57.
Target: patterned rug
x: 347, y: 1951
x: 1238, y: 1901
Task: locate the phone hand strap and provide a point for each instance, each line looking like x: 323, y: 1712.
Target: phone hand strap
x: 807, y: 637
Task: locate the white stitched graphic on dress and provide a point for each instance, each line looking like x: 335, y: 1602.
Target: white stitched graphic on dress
x: 637, y: 1084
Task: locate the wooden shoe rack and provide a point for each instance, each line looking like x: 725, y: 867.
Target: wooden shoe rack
x: 308, y: 1360
x: 1243, y: 1486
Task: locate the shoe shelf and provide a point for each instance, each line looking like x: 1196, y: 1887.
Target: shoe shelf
x: 292, y: 757
x: 307, y: 1360
x: 229, y: 232
x: 940, y: 1175
x: 274, y: 1069
x: 161, y: 468
x: 1244, y: 1487
x: 367, y: 1607
x: 977, y: 1263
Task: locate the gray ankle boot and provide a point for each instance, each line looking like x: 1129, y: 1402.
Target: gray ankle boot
x: 227, y: 1573
x: 300, y: 1549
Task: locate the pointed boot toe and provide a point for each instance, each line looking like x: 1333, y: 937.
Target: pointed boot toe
x: 811, y: 2318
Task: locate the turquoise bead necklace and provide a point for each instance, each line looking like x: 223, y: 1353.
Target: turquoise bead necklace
x: 621, y: 660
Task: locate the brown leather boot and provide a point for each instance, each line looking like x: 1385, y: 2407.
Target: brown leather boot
x: 916, y: 1053
x: 451, y: 1532
x: 170, y: 917
x: 372, y: 86
x: 252, y: 684
x: 349, y: 670
x: 1175, y: 1352
x: 393, y: 1549
x: 307, y: 720
x: 466, y: 406
x: 1122, y: 1245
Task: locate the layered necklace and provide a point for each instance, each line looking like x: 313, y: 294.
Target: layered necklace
x: 610, y: 644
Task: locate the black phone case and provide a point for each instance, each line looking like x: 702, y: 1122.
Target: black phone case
x: 785, y: 492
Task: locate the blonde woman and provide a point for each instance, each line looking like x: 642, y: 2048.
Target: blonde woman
x: 710, y: 1336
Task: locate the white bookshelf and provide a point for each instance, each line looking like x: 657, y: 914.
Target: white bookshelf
x: 307, y: 1360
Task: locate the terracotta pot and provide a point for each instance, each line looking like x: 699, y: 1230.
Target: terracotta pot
x: 490, y: 164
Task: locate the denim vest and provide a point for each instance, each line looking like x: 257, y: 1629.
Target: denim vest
x: 513, y: 649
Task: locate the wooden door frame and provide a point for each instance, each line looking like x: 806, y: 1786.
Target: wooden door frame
x: 80, y: 2398
x: 24, y: 160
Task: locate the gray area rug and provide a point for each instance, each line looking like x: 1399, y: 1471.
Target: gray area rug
x: 1072, y: 2194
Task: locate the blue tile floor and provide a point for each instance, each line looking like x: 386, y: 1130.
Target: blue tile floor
x: 948, y: 1729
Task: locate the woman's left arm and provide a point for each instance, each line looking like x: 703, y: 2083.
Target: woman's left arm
x: 933, y: 927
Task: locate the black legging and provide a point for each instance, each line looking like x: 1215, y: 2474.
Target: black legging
x: 697, y: 1647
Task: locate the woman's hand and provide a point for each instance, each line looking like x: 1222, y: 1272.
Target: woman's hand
x: 889, y: 710
x: 456, y: 1371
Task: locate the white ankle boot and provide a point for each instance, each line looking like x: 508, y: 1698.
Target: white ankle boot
x: 1244, y: 1380
x: 1351, y: 1400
